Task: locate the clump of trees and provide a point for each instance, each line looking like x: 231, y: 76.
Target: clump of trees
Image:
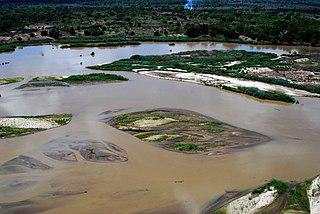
x: 291, y: 22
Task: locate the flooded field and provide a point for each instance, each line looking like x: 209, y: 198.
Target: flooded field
x: 151, y: 179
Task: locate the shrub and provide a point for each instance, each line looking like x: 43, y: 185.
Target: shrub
x: 186, y: 147
x: 281, y: 186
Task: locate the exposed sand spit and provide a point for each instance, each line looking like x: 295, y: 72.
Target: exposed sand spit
x: 215, y: 80
x: 314, y: 196
x: 23, y: 125
x: 33, y: 123
x: 22, y: 163
x: 91, y: 150
x: 250, y: 203
x: 152, y: 122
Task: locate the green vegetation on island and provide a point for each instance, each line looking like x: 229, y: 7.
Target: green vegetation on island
x: 7, y: 48
x: 294, y: 71
x: 94, y: 77
x: 185, y: 131
x: 6, y: 81
x: 277, y: 196
x: 261, y: 94
x: 50, y: 81
x: 23, y: 125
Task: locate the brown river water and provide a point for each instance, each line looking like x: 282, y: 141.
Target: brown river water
x: 153, y: 180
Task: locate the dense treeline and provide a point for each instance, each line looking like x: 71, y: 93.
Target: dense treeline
x: 288, y: 28
x: 265, y: 3
x: 296, y: 23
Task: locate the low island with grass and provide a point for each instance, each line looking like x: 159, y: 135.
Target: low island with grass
x: 66, y: 81
x: 6, y: 81
x: 276, y: 196
x: 262, y: 75
x: 185, y: 131
x: 24, y: 125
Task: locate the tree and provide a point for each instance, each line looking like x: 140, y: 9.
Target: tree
x: 44, y: 33
x: 72, y: 31
x: 197, y: 30
x: 132, y: 33
x: 54, y: 33
x: 156, y: 33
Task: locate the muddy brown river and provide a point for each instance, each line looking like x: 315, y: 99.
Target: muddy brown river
x: 153, y: 180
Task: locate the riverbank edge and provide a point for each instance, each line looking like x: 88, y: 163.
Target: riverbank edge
x: 11, y: 46
x: 220, y: 201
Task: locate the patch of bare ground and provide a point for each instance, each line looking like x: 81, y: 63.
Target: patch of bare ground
x: 185, y: 131
x: 24, y: 206
x: 21, y: 164
x: 89, y: 150
x: 23, y: 125
x: 274, y: 197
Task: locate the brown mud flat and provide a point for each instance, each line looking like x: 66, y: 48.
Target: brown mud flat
x: 23, y: 207
x: 16, y: 185
x: 90, y: 150
x: 185, y: 131
x: 21, y: 164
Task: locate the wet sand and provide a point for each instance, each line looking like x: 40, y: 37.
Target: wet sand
x: 152, y: 179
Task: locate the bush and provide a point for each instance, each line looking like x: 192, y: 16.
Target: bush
x: 54, y: 33
x: 281, y: 186
x: 186, y: 147
x: 95, y: 77
x: 261, y: 94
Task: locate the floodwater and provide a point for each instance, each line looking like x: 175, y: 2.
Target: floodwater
x: 153, y: 180
x: 29, y: 61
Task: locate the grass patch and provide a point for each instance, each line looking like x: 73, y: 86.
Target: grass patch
x: 6, y: 81
x: 281, y: 186
x: 298, y: 198
x: 160, y: 137
x: 10, y: 131
x: 49, y: 81
x: 146, y: 134
x: 215, y: 130
x: 42, y: 84
x: 62, y: 119
x: 210, y: 62
x: 185, y: 147
x: 94, y: 77
x: 153, y: 118
x: 180, y: 130
x: 7, y: 131
x: 261, y: 94
x: 7, y: 48
x: 211, y: 123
